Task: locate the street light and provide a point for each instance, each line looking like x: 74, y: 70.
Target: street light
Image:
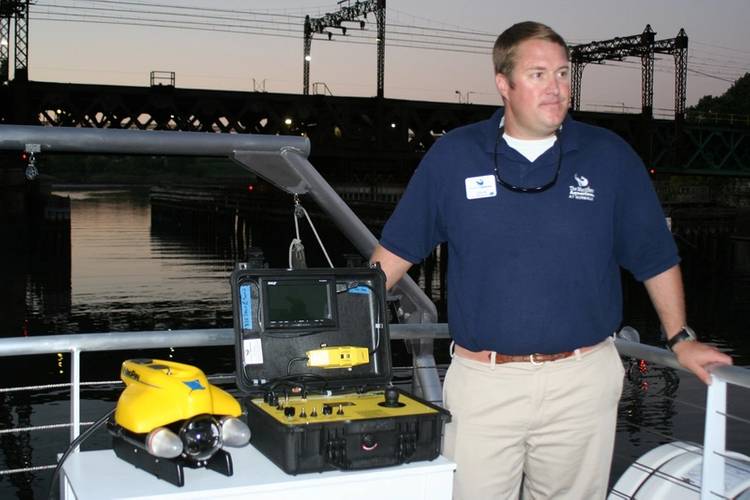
x: 259, y: 86
x: 465, y: 96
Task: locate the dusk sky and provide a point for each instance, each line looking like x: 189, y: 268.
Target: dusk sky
x: 225, y: 44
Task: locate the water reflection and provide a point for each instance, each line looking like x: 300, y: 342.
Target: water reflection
x: 125, y: 277
x: 35, y: 262
x: 16, y: 412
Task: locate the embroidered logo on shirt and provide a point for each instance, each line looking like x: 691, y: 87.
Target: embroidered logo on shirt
x: 583, y: 191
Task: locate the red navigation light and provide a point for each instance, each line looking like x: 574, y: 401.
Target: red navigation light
x: 652, y: 171
x: 250, y: 188
x: 24, y: 156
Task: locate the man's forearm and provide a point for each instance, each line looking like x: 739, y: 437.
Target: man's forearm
x: 392, y: 265
x: 668, y: 297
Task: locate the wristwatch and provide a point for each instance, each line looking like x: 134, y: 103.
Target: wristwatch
x: 686, y: 334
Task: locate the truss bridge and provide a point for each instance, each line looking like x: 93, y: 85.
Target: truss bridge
x: 371, y: 139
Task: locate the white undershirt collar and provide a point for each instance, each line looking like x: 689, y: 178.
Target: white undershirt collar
x: 531, y: 149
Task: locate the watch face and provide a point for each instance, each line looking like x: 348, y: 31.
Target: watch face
x: 690, y: 332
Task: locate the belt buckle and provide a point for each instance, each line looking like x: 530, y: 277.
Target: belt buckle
x: 533, y: 361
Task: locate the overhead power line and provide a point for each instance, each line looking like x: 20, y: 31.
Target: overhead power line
x: 118, y: 21
x: 409, y: 35
x: 62, y: 10
x: 349, y: 39
x: 182, y: 8
x: 180, y: 22
x: 444, y: 30
x: 718, y: 65
x: 707, y: 75
x: 453, y: 29
x: 190, y: 12
x: 744, y: 51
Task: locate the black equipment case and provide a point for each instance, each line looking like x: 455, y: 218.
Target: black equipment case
x: 314, y: 418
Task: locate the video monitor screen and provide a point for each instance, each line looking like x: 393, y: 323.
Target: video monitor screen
x: 300, y: 303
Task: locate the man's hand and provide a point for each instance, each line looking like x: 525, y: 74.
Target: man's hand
x: 697, y: 356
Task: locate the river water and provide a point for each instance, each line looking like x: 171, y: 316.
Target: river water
x: 122, y: 272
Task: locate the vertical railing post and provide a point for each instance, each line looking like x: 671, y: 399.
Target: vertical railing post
x: 425, y: 378
x: 75, y: 393
x: 714, y: 440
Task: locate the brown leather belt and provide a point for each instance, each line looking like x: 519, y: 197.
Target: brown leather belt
x: 536, y: 359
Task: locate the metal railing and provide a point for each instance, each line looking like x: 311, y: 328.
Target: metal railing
x: 691, y: 115
x: 425, y: 372
x: 714, y: 438
x: 281, y: 160
x: 425, y: 368
x: 707, y: 117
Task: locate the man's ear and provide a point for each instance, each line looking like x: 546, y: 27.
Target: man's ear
x: 503, y: 85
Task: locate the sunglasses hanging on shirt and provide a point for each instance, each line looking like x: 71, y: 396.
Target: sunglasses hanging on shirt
x: 527, y: 189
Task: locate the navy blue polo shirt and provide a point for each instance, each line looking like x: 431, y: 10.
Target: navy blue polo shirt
x: 533, y: 273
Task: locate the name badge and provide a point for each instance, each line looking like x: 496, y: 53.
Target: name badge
x: 480, y: 187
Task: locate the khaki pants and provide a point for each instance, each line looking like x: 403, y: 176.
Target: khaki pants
x: 551, y: 424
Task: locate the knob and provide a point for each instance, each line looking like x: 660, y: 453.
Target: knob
x: 391, y: 396
x: 272, y: 399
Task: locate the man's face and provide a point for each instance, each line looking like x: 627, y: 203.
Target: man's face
x: 537, y: 95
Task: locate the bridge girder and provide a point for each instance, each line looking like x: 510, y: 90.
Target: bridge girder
x: 366, y: 137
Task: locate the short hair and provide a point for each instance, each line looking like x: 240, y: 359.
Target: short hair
x: 504, y: 51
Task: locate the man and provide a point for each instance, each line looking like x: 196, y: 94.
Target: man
x: 539, y: 213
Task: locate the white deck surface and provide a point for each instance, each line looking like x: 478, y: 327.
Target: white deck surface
x: 97, y: 475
